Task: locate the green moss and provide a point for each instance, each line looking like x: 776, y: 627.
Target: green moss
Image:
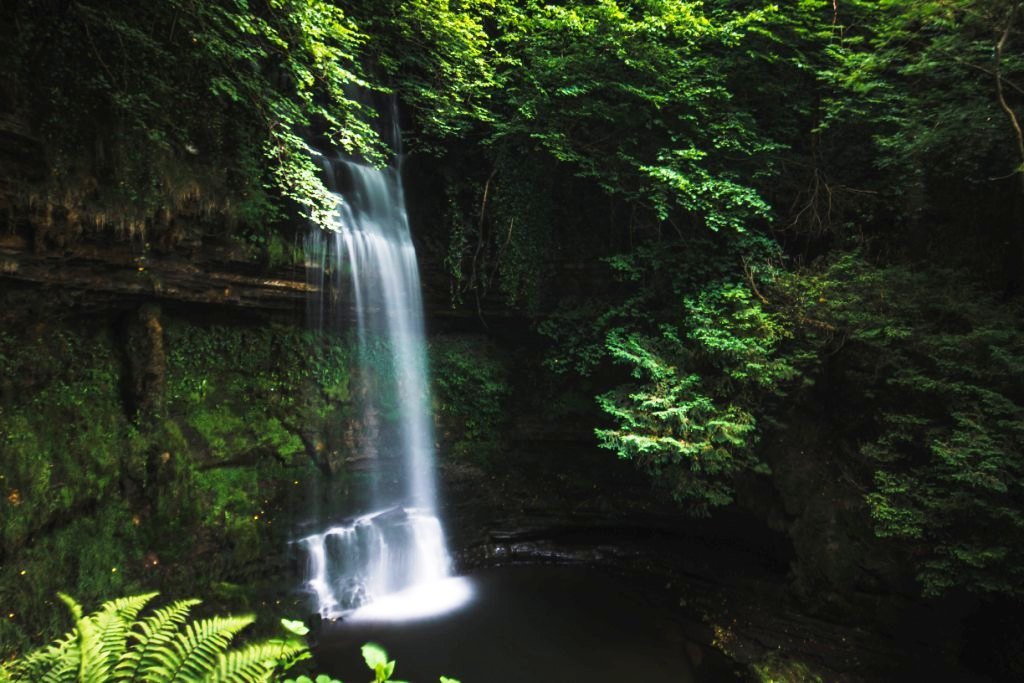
x: 243, y: 402
x: 64, y: 432
x: 779, y: 670
x: 233, y: 507
x: 96, y: 554
x: 223, y: 430
x: 470, y: 385
x: 193, y: 497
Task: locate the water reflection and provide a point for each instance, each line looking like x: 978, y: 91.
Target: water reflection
x: 538, y: 624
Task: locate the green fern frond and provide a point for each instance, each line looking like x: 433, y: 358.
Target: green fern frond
x: 108, y: 631
x: 129, y: 607
x: 113, y: 646
x: 193, y: 653
x: 256, y: 663
x: 55, y: 663
x: 85, y: 658
x: 76, y: 609
x: 149, y: 636
x: 62, y: 672
x: 35, y: 663
x: 94, y: 665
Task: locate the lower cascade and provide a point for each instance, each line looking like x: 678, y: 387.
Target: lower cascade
x: 380, y: 555
x: 392, y: 563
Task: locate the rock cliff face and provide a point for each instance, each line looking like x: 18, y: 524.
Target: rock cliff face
x: 53, y: 248
x: 124, y: 272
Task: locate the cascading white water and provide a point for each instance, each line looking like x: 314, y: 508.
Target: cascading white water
x: 401, y: 546
x: 379, y: 555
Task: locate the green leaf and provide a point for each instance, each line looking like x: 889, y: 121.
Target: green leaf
x: 113, y: 646
x: 295, y: 626
x: 374, y: 655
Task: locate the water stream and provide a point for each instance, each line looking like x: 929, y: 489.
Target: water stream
x: 398, y: 545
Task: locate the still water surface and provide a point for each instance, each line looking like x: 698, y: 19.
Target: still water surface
x: 536, y: 624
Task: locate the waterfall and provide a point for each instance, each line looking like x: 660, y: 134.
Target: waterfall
x: 400, y: 547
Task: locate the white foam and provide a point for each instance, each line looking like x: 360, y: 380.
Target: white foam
x: 422, y: 601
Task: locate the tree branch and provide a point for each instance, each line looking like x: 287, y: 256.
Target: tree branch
x: 1000, y: 46
x: 990, y: 72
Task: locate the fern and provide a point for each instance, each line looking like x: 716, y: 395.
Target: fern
x: 103, y: 635
x: 112, y: 645
x: 151, y: 635
x: 255, y: 663
x: 92, y: 661
x: 52, y: 664
x: 193, y: 655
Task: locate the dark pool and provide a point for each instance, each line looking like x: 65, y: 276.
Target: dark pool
x: 534, y: 624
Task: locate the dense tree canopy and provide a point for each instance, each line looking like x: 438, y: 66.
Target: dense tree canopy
x: 149, y: 110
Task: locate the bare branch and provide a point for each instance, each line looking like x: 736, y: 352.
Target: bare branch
x: 1000, y: 46
x: 990, y: 72
x: 749, y: 271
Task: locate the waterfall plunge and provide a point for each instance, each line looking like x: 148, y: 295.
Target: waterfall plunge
x: 393, y: 563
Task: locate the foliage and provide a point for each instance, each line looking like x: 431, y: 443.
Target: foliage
x: 863, y: 140
x: 612, y: 104
x: 470, y: 388
x: 65, y: 437
x: 376, y: 659
x: 631, y: 95
x: 215, y: 373
x: 439, y: 56
x: 500, y: 238
x: 114, y: 644
x: 708, y: 358
x: 691, y: 420
x: 914, y: 62
x: 208, y: 478
x: 184, y: 118
x: 775, y: 669
x: 248, y: 407
x: 820, y: 174
x: 94, y: 554
x: 610, y: 168
x: 931, y: 374
x: 898, y: 121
